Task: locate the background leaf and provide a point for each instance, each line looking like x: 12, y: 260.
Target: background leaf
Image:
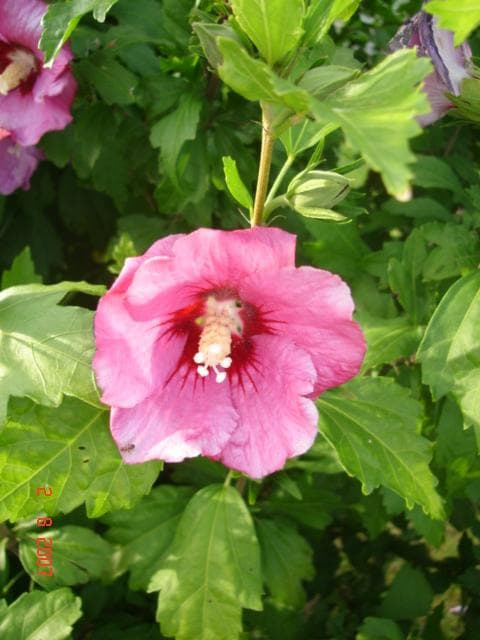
x: 206, y: 579
x: 145, y: 531
x: 449, y: 352
x: 286, y: 561
x: 38, y: 615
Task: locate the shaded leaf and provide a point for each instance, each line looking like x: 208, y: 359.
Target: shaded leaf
x: 172, y: 131
x: 286, y: 561
x: 409, y: 596
x: 146, y: 530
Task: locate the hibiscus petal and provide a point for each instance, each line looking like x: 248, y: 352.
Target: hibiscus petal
x: 216, y: 257
x: 157, y: 290
x: 20, y: 22
x: 132, y: 358
x: 314, y: 309
x: 191, y: 416
x: 29, y: 119
x: 439, y: 102
x: 203, y: 260
x: 276, y: 421
x: 17, y: 165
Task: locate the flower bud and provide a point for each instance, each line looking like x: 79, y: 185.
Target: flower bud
x: 313, y: 193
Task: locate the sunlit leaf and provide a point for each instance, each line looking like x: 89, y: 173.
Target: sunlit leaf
x: 207, y: 578
x: 70, y: 450
x: 373, y: 425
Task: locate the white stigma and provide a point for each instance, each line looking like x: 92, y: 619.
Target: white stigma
x: 22, y: 64
x: 221, y: 319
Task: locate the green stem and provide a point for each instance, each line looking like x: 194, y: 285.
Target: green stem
x: 264, y: 167
x: 278, y: 180
x: 275, y: 203
x: 228, y: 479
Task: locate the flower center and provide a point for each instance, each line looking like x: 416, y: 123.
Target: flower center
x: 220, y: 320
x: 21, y: 63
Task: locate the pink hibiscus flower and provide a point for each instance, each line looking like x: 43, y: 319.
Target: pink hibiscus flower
x: 213, y: 343
x: 33, y: 100
x: 17, y: 164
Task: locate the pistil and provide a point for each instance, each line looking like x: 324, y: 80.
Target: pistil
x: 220, y: 321
x: 22, y: 64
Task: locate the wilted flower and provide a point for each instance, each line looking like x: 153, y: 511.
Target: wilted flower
x: 213, y: 343
x: 17, y: 165
x: 33, y: 100
x: 452, y: 64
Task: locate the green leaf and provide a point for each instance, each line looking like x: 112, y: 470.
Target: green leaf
x: 38, y: 615
x: 146, y: 531
x: 71, y: 450
x: 208, y: 33
x: 313, y: 510
x: 46, y: 349
x: 457, y: 251
x: 409, y: 596
x: 254, y: 80
x: 62, y: 18
x: 322, y: 14
x: 114, y: 82
x: 405, y: 277
x: 450, y: 349
x: 379, y: 629
x: 22, y: 271
x: 388, y: 339
x: 377, y: 114
x: 432, y: 530
x: 78, y: 556
x: 274, y: 26
x: 302, y: 136
x: 4, y: 563
x: 373, y: 425
x: 235, y: 183
x: 321, y: 81
x: 435, y: 173
x: 171, y: 132
x: 286, y: 561
x: 208, y: 577
x: 461, y: 16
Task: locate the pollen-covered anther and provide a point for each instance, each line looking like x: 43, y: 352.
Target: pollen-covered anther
x: 221, y: 319
x: 22, y: 64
